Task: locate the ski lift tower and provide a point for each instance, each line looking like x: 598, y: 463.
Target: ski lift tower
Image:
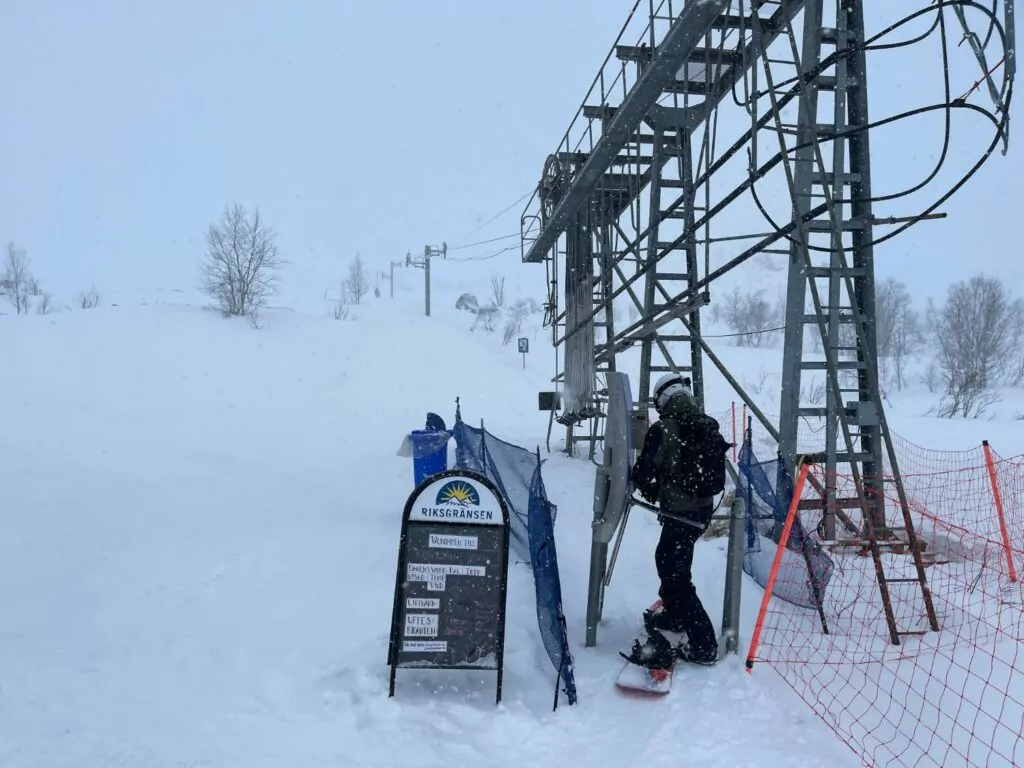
x: 716, y: 133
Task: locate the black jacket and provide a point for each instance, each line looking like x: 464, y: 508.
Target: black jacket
x: 657, y: 467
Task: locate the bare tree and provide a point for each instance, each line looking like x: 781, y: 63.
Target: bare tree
x: 762, y: 380
x: 242, y: 258
x: 1015, y: 378
x: 498, y: 291
x: 751, y: 317
x: 930, y: 377
x: 341, y: 309
x: 358, y: 282
x: 18, y: 284
x: 514, y: 321
x: 897, y: 330
x: 977, y: 333
x: 815, y: 392
x: 45, y: 304
x: 89, y: 299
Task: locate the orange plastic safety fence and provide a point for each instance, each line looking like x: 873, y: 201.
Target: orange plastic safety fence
x: 949, y: 697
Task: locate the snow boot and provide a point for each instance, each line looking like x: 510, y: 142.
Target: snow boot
x: 685, y: 653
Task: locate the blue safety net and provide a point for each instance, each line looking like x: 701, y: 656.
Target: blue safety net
x: 517, y: 474
x: 805, y: 568
x: 509, y: 467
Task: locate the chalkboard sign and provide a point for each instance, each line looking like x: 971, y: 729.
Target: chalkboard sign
x: 450, y: 589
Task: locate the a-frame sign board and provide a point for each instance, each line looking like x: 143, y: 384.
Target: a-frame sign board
x: 452, y: 579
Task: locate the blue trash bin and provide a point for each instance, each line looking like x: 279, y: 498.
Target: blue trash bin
x: 429, y: 453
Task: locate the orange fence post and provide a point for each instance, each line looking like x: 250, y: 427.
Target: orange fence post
x: 798, y: 489
x: 999, y: 508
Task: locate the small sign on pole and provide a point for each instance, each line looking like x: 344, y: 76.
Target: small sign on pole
x: 452, y: 580
x: 524, y: 347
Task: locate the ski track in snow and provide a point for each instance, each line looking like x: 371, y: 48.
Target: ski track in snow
x: 198, y: 542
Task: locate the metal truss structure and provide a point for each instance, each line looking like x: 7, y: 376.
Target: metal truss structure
x: 657, y: 190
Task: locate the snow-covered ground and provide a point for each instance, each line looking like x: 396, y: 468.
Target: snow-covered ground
x: 198, y: 538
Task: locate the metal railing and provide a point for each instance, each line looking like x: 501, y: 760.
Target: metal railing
x: 613, y: 82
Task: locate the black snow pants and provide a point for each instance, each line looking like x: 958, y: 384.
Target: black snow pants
x: 674, y: 560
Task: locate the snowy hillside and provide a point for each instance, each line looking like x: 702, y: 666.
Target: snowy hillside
x: 197, y: 550
x: 200, y: 517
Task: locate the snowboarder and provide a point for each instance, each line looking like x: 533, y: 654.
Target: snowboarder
x: 681, y: 468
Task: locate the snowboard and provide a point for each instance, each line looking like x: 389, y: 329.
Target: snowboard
x: 639, y: 680
x: 634, y: 679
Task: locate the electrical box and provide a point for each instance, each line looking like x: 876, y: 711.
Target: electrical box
x: 549, y: 401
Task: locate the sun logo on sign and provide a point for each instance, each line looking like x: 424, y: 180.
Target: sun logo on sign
x: 458, y: 492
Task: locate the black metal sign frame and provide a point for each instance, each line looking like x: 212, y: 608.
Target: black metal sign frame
x: 447, y: 607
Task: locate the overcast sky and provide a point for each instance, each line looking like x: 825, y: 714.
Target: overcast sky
x: 374, y: 127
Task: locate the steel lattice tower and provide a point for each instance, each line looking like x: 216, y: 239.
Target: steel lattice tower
x: 634, y: 207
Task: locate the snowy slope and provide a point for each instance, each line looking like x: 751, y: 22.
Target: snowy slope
x: 197, y: 546
x: 758, y: 369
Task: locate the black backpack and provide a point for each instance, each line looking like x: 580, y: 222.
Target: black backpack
x: 701, y: 455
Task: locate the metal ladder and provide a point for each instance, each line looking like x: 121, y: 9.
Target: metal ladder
x: 846, y: 337
x: 670, y: 146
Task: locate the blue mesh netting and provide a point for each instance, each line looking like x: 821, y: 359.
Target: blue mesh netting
x: 544, y: 560
x: 516, y: 473
x: 507, y: 466
x: 805, y: 569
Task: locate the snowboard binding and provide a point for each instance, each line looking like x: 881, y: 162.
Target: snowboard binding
x: 666, y: 643
x: 650, y: 664
x: 656, y: 653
